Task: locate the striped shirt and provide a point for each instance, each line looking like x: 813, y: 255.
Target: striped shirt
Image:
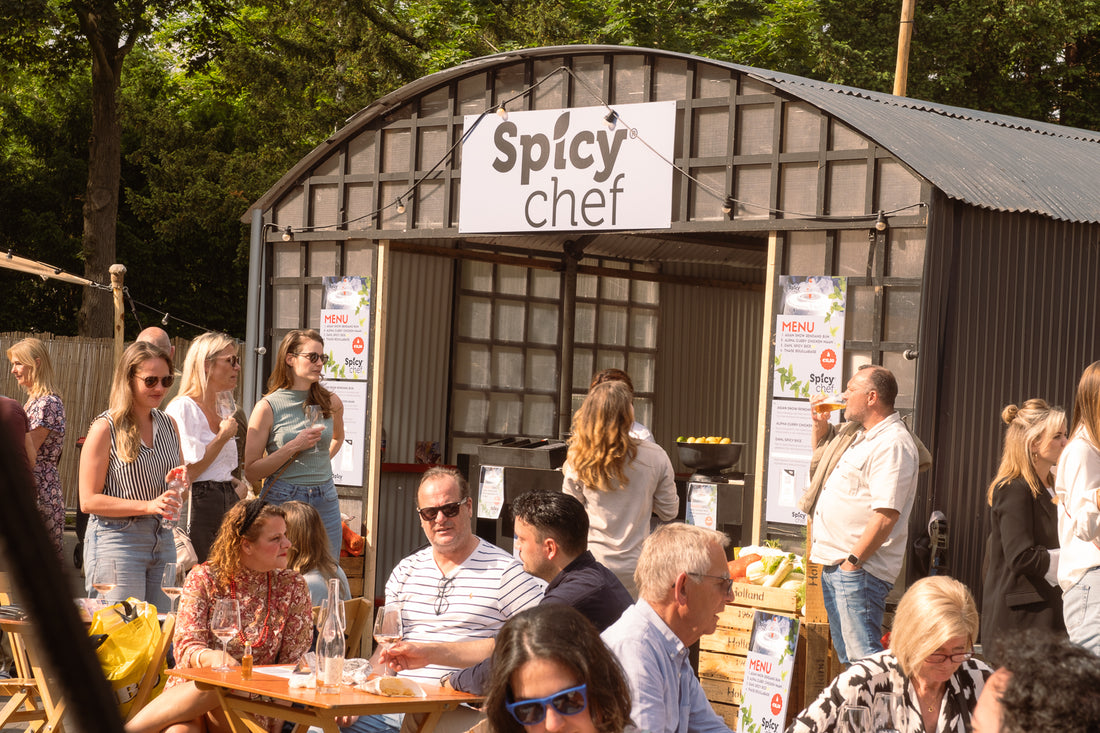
x: 143, y: 480
x: 473, y: 602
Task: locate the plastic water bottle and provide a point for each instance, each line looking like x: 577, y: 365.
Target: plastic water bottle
x: 175, y: 488
x: 330, y: 643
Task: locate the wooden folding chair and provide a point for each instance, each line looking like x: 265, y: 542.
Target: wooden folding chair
x: 152, y: 674
x: 357, y: 616
x: 32, y: 698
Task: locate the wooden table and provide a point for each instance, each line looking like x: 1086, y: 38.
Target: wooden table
x: 318, y: 709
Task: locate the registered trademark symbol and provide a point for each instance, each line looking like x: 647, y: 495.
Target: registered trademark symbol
x: 633, y: 132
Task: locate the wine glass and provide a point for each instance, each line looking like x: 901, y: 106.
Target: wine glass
x: 854, y: 719
x: 225, y: 404
x: 172, y: 583
x: 886, y: 713
x: 313, y: 417
x: 225, y: 623
x: 388, y: 626
x: 104, y: 579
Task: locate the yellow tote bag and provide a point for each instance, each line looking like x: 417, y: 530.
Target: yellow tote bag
x: 126, y: 636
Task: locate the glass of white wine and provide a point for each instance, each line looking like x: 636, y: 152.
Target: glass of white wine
x: 172, y: 583
x: 313, y: 417
x: 388, y: 627
x: 104, y: 579
x: 225, y: 404
x: 225, y: 623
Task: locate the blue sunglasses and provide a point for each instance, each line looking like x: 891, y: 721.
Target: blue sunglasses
x: 533, y: 711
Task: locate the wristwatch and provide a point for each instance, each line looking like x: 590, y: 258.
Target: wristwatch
x: 853, y: 560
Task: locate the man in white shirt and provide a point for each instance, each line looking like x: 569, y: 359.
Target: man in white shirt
x: 861, y: 519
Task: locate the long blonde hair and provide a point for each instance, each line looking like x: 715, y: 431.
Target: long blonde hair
x: 1086, y: 406
x: 601, y: 445
x: 32, y: 353
x: 1027, y: 425
x: 282, y: 378
x: 309, y: 548
x: 121, y: 405
x: 199, y: 353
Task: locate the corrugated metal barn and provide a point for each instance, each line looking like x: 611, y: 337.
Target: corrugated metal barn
x: 980, y: 289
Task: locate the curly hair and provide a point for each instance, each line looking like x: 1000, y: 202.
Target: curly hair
x: 1026, y: 426
x: 32, y: 352
x: 1049, y: 684
x: 601, y: 446
x: 121, y: 404
x: 282, y: 378
x: 224, y: 559
x: 559, y: 634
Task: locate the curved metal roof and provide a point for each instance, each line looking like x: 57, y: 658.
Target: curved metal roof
x: 987, y: 160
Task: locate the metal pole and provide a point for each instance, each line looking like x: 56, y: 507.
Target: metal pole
x: 251, y: 353
x: 118, y: 275
x: 905, y: 38
x: 570, y: 258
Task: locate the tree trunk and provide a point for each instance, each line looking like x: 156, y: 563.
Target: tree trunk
x: 104, y: 176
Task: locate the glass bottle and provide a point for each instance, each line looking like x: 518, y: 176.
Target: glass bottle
x: 330, y: 642
x: 246, y: 662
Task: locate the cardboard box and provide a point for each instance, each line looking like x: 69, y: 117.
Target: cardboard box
x: 814, y: 612
x: 353, y: 567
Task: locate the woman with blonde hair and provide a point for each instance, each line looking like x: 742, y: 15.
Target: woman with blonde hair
x: 124, y: 467
x: 284, y: 444
x: 620, y: 480
x: 1079, y: 519
x: 1021, y: 578
x: 309, y: 552
x: 30, y: 364
x: 209, y: 440
x: 929, y: 667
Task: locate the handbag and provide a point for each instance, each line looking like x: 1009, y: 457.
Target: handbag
x: 125, y: 636
x: 186, y: 557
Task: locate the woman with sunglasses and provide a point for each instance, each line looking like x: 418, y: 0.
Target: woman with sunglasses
x: 929, y: 668
x: 551, y: 671
x: 209, y: 441
x: 281, y: 443
x: 124, y: 465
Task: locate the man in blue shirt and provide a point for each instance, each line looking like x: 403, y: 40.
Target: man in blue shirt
x: 683, y: 584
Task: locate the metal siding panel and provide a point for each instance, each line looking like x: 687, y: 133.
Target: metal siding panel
x: 1022, y: 325
x: 708, y: 367
x: 398, y: 528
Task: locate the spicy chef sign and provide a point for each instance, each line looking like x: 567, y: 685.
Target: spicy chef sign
x: 565, y: 170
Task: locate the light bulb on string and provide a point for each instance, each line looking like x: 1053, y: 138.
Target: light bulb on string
x: 400, y: 206
x: 164, y: 321
x: 729, y: 205
x: 610, y: 120
x: 502, y: 113
x: 880, y: 222
x: 288, y: 234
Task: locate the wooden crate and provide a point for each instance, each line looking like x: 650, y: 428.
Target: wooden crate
x: 353, y: 568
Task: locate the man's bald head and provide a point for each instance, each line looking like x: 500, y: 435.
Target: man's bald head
x: 158, y: 337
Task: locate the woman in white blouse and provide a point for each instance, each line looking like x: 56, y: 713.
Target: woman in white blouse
x: 209, y: 441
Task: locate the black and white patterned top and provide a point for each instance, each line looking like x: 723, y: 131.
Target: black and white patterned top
x: 881, y: 672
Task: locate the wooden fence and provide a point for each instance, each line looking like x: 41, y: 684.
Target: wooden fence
x: 82, y: 369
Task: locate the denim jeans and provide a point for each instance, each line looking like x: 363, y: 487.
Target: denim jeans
x: 323, y: 498
x: 1081, y: 610
x: 139, y: 548
x: 855, y: 601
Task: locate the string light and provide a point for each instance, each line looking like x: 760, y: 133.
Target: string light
x: 288, y: 234
x: 502, y: 113
x: 880, y: 222
x: 729, y: 205
x: 164, y: 321
x: 400, y: 206
x: 611, y: 119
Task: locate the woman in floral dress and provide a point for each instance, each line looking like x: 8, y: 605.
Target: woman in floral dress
x: 247, y: 562
x: 30, y: 364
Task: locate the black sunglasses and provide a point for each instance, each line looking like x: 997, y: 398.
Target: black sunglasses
x: 313, y: 356
x: 232, y: 360
x: 429, y: 513
x: 441, y: 602
x: 533, y: 712
x: 151, y: 382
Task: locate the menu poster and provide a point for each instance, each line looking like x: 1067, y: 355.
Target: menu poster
x: 347, y: 464
x: 765, y: 692
x: 345, y: 326
x: 490, y: 497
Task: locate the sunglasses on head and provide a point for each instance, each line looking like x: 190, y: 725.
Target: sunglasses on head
x: 151, y: 382
x: 313, y: 356
x: 429, y: 513
x: 232, y: 360
x: 533, y: 712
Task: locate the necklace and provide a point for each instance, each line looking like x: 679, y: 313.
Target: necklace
x: 267, y: 615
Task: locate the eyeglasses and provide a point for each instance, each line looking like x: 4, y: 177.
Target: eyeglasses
x: 429, y: 513
x: 313, y: 356
x: 232, y: 360
x: 151, y: 382
x: 938, y: 658
x: 441, y: 602
x: 532, y: 712
x: 726, y: 581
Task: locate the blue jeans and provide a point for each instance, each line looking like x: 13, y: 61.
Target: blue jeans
x: 855, y: 602
x: 139, y: 548
x: 1081, y: 610
x: 323, y: 498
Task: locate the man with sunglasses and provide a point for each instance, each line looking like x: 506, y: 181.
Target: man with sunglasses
x: 458, y: 588
x: 683, y: 584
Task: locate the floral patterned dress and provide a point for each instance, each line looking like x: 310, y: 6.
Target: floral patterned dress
x: 48, y: 412
x: 276, y: 617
